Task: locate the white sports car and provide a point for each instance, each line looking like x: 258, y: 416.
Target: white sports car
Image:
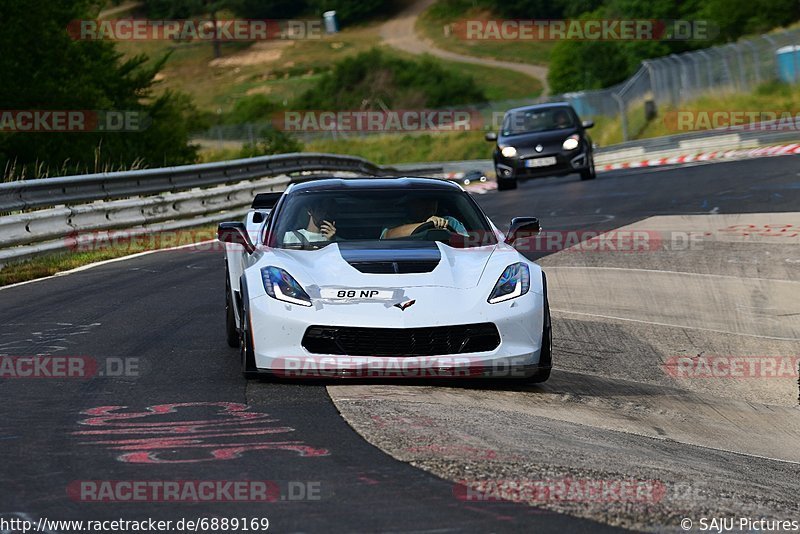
x: 383, y: 277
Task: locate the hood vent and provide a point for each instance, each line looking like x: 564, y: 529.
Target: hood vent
x: 391, y: 257
x: 395, y: 267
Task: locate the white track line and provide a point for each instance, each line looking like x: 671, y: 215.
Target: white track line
x: 106, y: 262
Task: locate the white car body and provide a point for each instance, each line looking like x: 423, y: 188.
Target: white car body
x: 453, y: 294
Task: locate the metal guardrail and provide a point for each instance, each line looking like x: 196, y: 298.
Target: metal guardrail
x: 30, y: 194
x: 55, y: 212
x: 153, y: 200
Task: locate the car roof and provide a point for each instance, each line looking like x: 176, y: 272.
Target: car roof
x: 541, y: 106
x: 346, y: 184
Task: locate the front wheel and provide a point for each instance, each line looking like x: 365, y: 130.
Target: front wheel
x: 504, y: 184
x: 546, y: 356
x: 246, y: 352
x: 589, y: 173
x: 231, y: 332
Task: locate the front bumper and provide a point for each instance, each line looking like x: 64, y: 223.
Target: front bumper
x: 566, y: 163
x: 279, y: 328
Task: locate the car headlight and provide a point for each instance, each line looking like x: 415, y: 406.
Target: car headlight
x: 571, y: 142
x: 509, y: 151
x: 281, y: 286
x: 514, y: 282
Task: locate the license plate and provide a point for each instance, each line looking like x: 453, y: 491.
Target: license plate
x: 335, y: 293
x: 540, y: 162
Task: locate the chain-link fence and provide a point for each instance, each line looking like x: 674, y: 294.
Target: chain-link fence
x: 662, y: 82
x: 678, y: 78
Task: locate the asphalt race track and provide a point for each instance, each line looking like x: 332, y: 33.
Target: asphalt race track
x: 364, y: 457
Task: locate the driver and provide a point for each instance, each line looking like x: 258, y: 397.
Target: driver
x: 561, y: 119
x: 321, y: 226
x: 423, y: 211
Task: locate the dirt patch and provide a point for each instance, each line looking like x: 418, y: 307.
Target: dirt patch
x: 258, y: 54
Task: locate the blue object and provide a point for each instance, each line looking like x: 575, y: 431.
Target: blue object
x: 331, y: 24
x: 580, y: 104
x: 788, y: 60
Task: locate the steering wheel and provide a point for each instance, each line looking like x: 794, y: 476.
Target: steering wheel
x: 428, y: 226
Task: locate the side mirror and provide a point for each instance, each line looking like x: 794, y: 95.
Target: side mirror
x: 522, y: 228
x: 587, y: 124
x: 236, y: 234
x: 491, y: 136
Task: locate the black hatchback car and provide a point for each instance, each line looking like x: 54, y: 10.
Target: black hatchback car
x: 542, y: 140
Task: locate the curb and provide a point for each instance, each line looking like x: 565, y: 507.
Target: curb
x: 775, y: 150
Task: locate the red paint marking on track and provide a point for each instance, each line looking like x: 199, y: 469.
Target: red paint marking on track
x: 159, y: 438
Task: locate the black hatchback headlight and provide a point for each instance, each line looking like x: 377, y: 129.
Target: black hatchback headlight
x: 572, y: 142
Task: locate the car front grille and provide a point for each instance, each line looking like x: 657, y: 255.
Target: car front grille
x: 429, y: 341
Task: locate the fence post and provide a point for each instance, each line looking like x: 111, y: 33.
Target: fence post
x: 740, y: 62
x: 772, y: 51
x: 622, y: 116
x: 709, y: 66
x: 756, y: 61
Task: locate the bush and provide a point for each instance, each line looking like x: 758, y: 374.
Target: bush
x: 375, y: 77
x: 271, y: 141
x: 255, y: 108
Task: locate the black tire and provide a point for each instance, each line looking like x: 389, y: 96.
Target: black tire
x: 504, y: 184
x: 231, y: 332
x: 546, y: 357
x: 246, y: 352
x: 589, y: 173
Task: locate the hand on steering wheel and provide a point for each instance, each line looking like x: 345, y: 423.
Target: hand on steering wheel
x: 439, y: 223
x: 427, y: 226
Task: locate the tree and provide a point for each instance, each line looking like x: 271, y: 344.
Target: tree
x: 45, y: 69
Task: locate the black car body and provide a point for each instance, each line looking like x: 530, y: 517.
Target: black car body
x: 542, y: 140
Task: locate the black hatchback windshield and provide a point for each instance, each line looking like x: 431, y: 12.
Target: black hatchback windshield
x: 538, y: 120
x: 314, y: 219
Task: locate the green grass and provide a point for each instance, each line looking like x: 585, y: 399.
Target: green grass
x: 444, y: 12
x: 497, y: 84
x: 50, y: 264
x: 282, y: 68
x: 773, y: 96
x: 398, y: 148
x: 286, y: 69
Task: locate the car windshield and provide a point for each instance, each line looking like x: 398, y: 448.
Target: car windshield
x: 538, y: 120
x: 314, y: 219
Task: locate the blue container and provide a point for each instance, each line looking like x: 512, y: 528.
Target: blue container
x: 788, y: 60
x: 581, y: 104
x: 331, y: 24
